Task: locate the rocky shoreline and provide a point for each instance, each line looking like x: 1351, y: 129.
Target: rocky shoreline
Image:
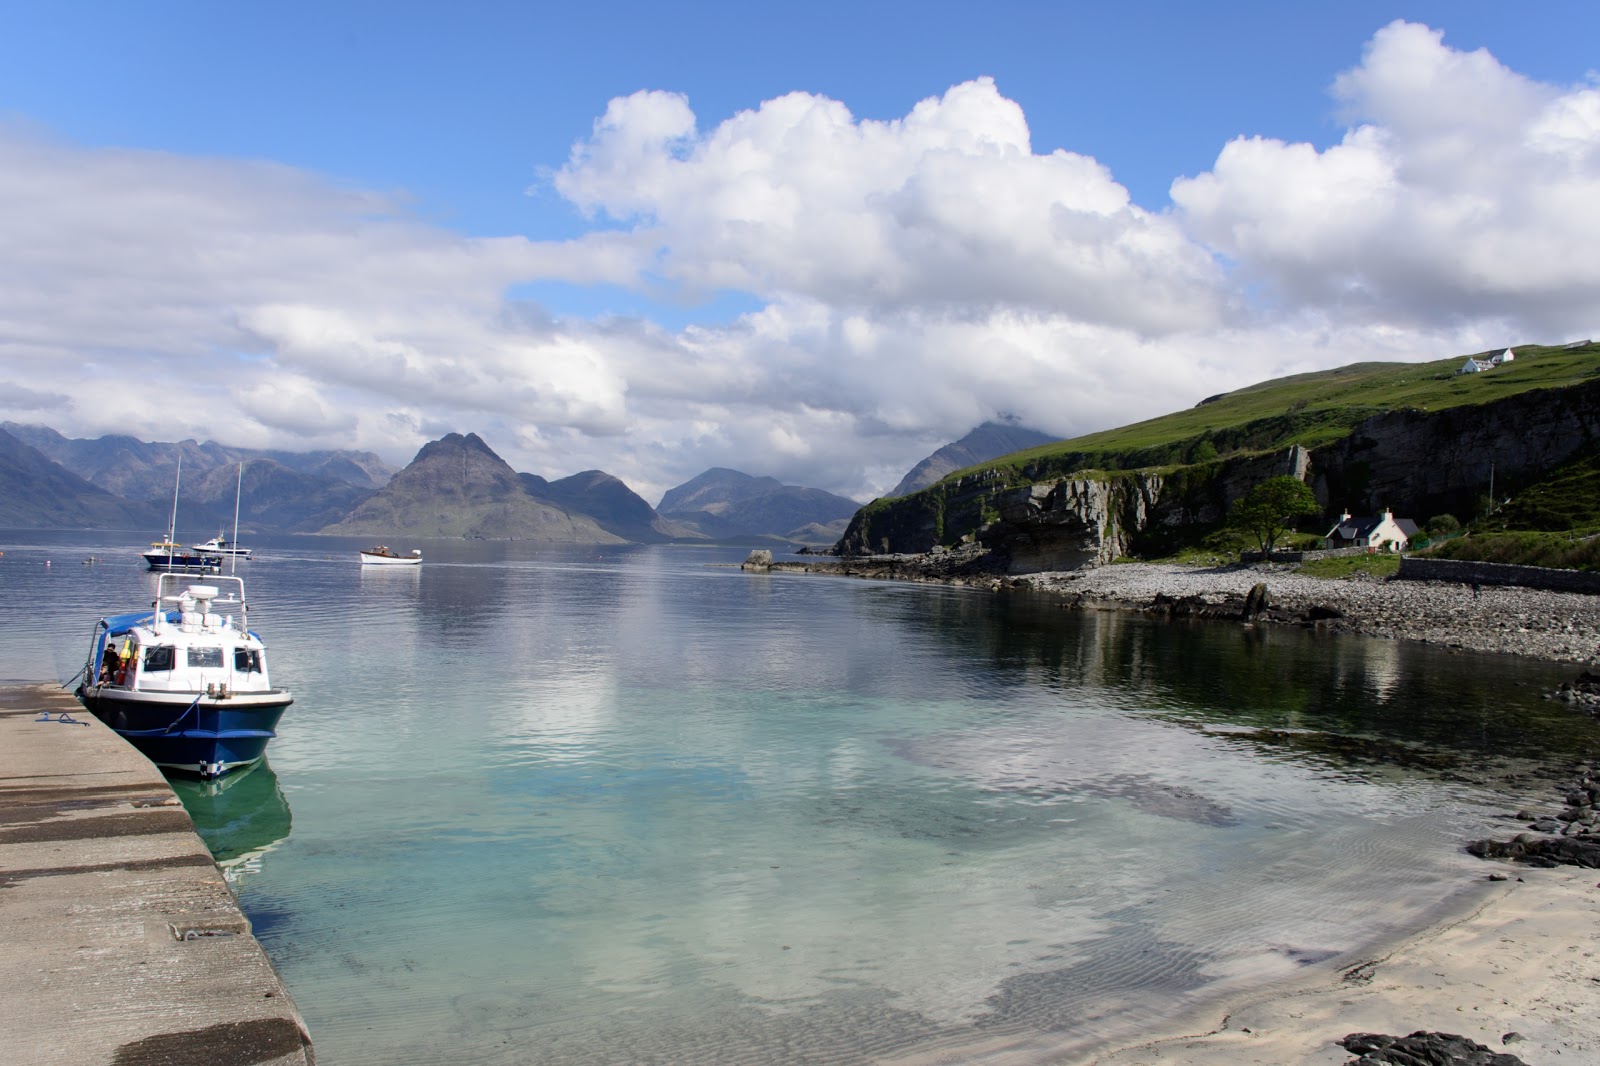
x: 1558, y: 626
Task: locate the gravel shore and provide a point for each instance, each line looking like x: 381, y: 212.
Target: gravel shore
x: 1560, y: 626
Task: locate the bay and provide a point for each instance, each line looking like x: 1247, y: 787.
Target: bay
x: 635, y: 805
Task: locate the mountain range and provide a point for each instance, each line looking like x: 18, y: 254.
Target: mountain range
x: 455, y: 487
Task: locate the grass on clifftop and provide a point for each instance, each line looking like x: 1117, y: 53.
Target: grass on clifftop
x: 1306, y: 409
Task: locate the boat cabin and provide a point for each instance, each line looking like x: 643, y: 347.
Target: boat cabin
x: 195, y: 639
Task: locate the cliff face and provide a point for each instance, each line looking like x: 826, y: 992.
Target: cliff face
x: 1422, y: 464
x: 1418, y: 463
x: 1065, y: 525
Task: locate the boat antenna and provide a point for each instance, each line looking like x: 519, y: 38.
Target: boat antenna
x: 238, y: 489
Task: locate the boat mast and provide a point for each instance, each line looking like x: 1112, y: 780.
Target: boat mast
x: 238, y: 489
x: 172, y: 524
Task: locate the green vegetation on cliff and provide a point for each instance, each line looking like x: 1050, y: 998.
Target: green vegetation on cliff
x: 1305, y: 409
x: 1422, y: 438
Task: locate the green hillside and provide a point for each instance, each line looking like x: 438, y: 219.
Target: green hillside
x: 1306, y: 409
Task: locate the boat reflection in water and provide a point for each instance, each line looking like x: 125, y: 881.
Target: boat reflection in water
x: 241, y: 817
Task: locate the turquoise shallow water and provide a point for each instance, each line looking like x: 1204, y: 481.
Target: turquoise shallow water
x: 638, y: 806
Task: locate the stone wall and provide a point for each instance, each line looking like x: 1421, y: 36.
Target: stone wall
x: 1463, y: 572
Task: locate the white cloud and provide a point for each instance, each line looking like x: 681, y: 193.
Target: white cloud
x: 1466, y: 193
x: 947, y: 207
x: 913, y: 278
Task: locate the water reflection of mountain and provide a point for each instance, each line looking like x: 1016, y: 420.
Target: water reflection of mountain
x: 240, y: 816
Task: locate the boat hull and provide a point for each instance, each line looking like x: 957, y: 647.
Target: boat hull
x: 190, y: 733
x: 183, y: 562
x: 390, y: 560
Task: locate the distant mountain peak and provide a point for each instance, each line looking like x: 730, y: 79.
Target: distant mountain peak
x: 988, y: 441
x: 455, y: 442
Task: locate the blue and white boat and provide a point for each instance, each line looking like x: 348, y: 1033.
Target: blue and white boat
x: 164, y: 555
x: 186, y: 681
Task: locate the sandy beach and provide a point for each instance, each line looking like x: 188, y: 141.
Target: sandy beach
x: 1521, y: 961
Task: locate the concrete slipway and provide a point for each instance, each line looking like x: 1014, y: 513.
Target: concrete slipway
x: 120, y: 942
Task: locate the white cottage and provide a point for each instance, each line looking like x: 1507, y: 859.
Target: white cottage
x: 1475, y: 366
x: 1504, y: 357
x: 1382, y: 532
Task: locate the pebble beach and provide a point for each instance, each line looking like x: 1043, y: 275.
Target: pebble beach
x: 1559, y: 626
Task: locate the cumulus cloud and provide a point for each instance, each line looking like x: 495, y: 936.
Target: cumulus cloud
x: 1464, y: 192
x: 946, y: 208
x: 911, y: 278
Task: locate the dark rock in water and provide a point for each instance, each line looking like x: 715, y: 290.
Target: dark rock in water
x: 1320, y: 612
x: 1423, y: 1049
x: 1256, y: 602
x: 1570, y: 838
x: 1186, y: 607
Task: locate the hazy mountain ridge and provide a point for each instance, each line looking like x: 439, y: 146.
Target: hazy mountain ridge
x: 140, y: 470
x: 36, y: 492
x: 458, y: 487
x: 726, y: 504
x: 455, y: 486
x: 612, y: 504
x: 988, y: 441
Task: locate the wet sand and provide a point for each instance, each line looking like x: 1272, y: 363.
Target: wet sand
x: 1524, y: 960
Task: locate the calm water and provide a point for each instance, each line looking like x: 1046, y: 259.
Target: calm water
x: 636, y: 806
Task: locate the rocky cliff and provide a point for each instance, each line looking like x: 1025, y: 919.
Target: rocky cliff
x: 1425, y: 463
x: 1417, y: 462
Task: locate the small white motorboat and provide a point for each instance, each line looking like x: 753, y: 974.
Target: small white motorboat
x: 383, y: 556
x: 221, y: 546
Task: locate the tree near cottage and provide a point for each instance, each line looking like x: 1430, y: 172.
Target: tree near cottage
x: 1269, y: 509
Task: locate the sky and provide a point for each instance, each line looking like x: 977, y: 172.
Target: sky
x: 809, y: 242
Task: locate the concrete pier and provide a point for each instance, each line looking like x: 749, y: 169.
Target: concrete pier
x: 120, y: 942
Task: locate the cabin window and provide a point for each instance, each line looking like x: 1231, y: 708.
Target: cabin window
x: 159, y: 658
x: 205, y: 658
x: 246, y: 661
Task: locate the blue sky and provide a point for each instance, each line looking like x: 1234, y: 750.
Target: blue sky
x: 247, y: 183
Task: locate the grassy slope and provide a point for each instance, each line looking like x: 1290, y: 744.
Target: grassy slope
x: 1307, y: 409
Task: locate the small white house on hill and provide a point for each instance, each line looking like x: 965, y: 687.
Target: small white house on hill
x: 1382, y: 532
x: 1503, y: 357
x: 1475, y: 366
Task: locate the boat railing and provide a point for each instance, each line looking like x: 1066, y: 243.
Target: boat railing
x: 208, y: 595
